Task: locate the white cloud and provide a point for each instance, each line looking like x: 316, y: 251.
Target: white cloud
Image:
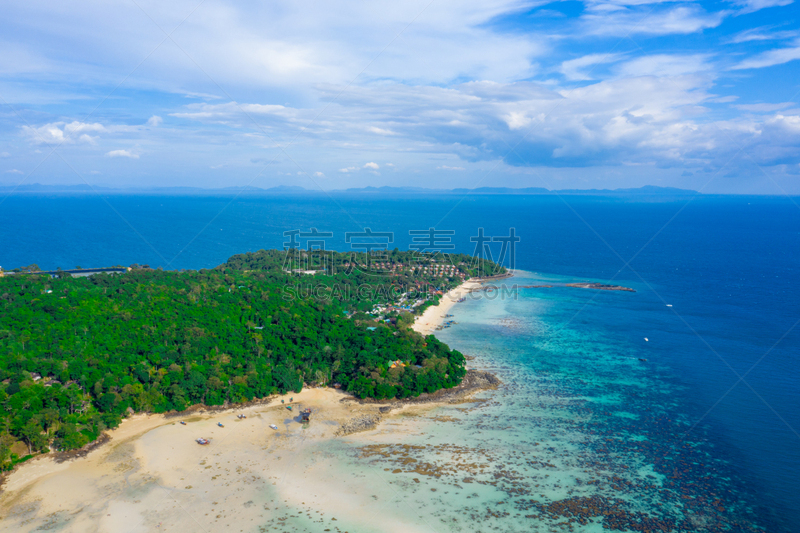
x: 371, y: 167
x: 447, y: 89
x: 764, y: 108
x: 319, y: 174
x: 763, y: 33
x: 575, y: 69
x: 723, y: 99
x: 665, y: 65
x: 5, y: 154
x: 279, y: 44
x: 770, y: 58
x: 265, y: 115
x: 14, y: 171
x: 636, y: 118
x: 61, y: 132
x: 606, y: 19
x: 381, y: 131
x: 750, y: 6
x: 80, y: 132
x: 122, y: 153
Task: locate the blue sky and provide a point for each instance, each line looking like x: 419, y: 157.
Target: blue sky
x: 593, y: 94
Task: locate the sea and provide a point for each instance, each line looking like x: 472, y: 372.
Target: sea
x: 672, y: 408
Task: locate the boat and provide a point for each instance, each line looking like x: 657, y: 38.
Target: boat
x: 202, y: 442
x: 273, y: 426
x: 220, y: 424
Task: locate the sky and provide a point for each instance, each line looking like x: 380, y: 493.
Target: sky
x: 430, y: 93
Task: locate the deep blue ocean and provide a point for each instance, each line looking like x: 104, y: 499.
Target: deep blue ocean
x: 717, y: 296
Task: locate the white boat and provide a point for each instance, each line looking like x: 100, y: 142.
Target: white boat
x: 273, y: 426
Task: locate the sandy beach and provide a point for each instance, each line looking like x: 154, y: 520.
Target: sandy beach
x: 435, y: 315
x: 152, y: 475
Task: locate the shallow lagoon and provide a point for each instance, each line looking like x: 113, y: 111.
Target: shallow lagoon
x: 582, y: 436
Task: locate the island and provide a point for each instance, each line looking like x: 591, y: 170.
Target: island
x: 81, y: 353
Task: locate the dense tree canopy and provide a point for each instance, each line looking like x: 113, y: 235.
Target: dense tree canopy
x: 358, y: 280
x: 80, y: 353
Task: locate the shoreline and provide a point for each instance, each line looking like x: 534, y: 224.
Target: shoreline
x: 424, y: 324
x: 119, y: 482
x: 158, y: 447
x: 433, y: 316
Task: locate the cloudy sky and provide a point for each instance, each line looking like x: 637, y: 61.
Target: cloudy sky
x: 592, y: 94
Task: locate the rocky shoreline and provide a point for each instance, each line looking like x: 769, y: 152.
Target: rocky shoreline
x: 599, y: 286
x: 474, y: 381
x: 581, y: 285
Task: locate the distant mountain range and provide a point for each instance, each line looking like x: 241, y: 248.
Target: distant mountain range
x: 647, y: 190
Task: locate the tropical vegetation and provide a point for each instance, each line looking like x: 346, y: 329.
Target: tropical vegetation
x: 78, y: 354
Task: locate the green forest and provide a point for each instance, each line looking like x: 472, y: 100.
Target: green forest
x: 80, y: 353
x: 359, y: 281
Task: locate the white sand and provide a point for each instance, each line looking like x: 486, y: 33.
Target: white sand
x: 434, y: 315
x: 153, y: 476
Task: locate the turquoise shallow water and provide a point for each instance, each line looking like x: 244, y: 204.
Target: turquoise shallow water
x: 587, y: 433
x: 624, y: 451
x: 584, y: 435
x: 723, y: 453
